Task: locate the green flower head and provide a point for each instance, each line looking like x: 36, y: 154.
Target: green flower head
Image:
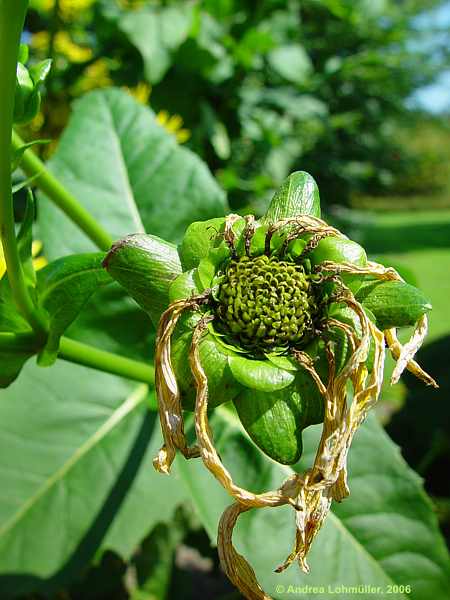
x: 278, y: 316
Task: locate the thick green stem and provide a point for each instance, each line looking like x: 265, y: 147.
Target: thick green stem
x: 82, y: 354
x: 12, y: 16
x: 89, y: 356
x: 25, y: 342
x: 63, y: 199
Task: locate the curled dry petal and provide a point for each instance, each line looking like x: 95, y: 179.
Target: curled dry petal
x: 372, y: 268
x: 229, y: 235
x: 327, y: 480
x: 345, y: 328
x: 398, y: 353
x: 250, y: 226
x: 410, y: 348
x: 402, y: 354
x: 234, y: 564
x: 299, y: 226
x: 169, y: 403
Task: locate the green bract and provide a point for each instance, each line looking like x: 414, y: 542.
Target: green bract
x: 27, y: 99
x: 272, y: 302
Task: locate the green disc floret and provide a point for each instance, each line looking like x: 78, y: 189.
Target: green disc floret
x: 266, y: 303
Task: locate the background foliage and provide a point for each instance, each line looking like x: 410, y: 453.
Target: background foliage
x: 213, y: 97
x: 321, y: 82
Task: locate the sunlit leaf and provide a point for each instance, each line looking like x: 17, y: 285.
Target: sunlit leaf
x: 75, y: 456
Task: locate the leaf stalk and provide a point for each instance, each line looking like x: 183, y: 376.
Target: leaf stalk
x: 88, y: 356
x: 82, y: 354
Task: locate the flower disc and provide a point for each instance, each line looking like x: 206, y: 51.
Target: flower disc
x: 266, y: 303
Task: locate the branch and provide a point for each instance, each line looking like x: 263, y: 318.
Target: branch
x: 88, y: 356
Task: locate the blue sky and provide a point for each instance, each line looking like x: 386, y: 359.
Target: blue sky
x: 436, y: 97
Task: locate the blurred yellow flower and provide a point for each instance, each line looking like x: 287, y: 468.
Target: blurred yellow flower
x: 94, y: 76
x: 174, y: 125
x: 141, y: 92
x: 68, y: 9
x: 39, y: 261
x: 63, y: 45
x: 42, y: 5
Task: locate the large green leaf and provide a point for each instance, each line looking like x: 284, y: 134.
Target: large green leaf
x: 128, y: 172
x: 15, y: 350
x: 64, y: 287
x: 75, y: 461
x: 385, y: 534
x: 10, y: 318
x: 131, y: 174
x: 157, y: 32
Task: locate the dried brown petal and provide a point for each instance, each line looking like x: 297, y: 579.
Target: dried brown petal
x: 169, y: 404
x: 372, y: 268
x: 229, y: 235
x: 400, y: 354
x: 237, y: 569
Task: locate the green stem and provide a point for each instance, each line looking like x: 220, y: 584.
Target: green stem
x: 101, y: 360
x: 12, y: 17
x: 22, y: 342
x: 63, y: 199
x: 82, y: 354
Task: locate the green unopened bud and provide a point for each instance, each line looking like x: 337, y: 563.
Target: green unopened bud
x: 27, y: 99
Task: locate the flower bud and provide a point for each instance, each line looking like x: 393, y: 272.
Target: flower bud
x: 27, y: 99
